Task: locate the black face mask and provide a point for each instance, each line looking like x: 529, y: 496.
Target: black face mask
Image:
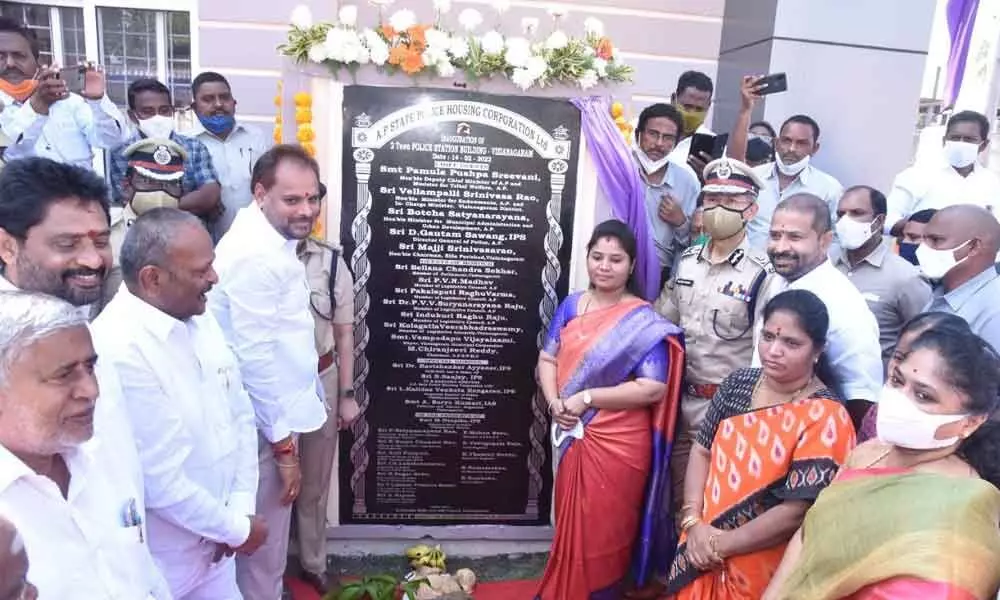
x: 909, y: 252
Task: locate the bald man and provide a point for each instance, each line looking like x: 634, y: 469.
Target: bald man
x: 14, y: 583
x: 958, y: 254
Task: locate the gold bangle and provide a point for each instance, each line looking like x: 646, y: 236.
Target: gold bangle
x: 689, y: 522
x: 713, y: 543
x: 291, y: 465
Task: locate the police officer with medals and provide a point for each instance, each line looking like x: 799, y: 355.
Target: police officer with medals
x: 718, y: 290
x: 332, y: 304
x: 152, y: 180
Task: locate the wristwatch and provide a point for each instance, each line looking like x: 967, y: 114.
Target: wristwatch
x: 587, y: 399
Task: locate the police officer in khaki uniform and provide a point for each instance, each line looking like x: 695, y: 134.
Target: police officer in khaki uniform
x: 152, y: 180
x: 332, y: 300
x: 718, y: 290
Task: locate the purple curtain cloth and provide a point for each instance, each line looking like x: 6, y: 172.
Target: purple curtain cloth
x: 961, y: 16
x: 619, y: 179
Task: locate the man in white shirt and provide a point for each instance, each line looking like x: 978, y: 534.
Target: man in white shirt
x: 955, y: 178
x: 55, y: 239
x: 262, y: 303
x: 234, y: 145
x: 692, y: 99
x: 801, y: 235
x: 78, y: 513
x: 792, y: 174
x: 193, y: 421
x: 39, y: 114
x: 671, y: 191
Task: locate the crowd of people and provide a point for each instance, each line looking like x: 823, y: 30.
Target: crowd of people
x: 805, y: 412
x: 813, y: 415
x: 169, y: 467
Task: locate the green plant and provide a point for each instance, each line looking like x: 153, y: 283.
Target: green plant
x: 377, y: 587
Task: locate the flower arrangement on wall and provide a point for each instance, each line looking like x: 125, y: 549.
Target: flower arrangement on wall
x: 401, y: 43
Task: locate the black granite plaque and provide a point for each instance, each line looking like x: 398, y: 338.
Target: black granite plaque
x: 457, y: 214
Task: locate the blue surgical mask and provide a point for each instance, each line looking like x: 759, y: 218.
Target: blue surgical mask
x: 218, y: 124
x: 909, y: 252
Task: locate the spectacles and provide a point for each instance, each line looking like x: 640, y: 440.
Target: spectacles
x: 656, y: 136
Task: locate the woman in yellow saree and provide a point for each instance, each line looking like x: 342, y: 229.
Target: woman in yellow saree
x: 914, y: 514
x: 773, y: 438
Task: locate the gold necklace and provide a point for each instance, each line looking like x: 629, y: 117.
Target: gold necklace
x: 792, y: 398
x: 586, y: 308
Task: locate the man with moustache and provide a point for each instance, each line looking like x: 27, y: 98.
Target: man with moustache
x: 193, y: 421
x: 40, y: 116
x: 233, y: 144
x: 801, y: 234
x: 718, y: 290
x: 262, y: 303
x: 78, y: 513
x: 55, y: 240
x: 671, y: 190
x: 792, y: 174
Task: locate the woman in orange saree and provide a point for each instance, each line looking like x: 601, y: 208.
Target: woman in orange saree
x: 610, y: 369
x: 914, y: 514
x: 772, y: 439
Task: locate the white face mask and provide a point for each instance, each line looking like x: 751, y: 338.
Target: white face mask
x: 960, y: 154
x: 793, y: 169
x: 648, y: 164
x: 935, y: 264
x: 158, y: 127
x: 853, y: 234
x: 900, y: 422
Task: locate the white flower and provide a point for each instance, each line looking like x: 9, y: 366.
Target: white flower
x: 529, y: 25
x: 445, y: 69
x: 557, y: 12
x: 437, y: 39
x: 470, y: 18
x: 594, y: 26
x: 301, y: 17
x: 442, y: 7
x: 371, y: 38
x: 345, y: 45
x: 601, y: 66
x: 556, y: 41
x: 501, y: 6
x: 536, y: 66
x: 317, y: 53
x: 379, y: 53
x: 492, y: 43
x: 589, y: 51
x: 588, y: 79
x: 403, y: 19
x: 459, y: 48
x: 522, y: 79
x: 348, y: 15
x: 433, y: 56
x: 518, y: 51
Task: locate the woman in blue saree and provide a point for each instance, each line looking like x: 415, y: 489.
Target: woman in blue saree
x: 613, y: 367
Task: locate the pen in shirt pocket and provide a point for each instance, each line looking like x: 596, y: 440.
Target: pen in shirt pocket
x: 132, y: 518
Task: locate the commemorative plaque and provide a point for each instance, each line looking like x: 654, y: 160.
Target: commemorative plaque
x: 457, y: 212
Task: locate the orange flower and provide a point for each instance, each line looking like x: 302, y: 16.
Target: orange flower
x: 277, y: 134
x: 303, y: 99
x: 388, y: 32
x: 277, y: 100
x: 418, y: 41
x: 413, y: 63
x: 398, y: 55
x: 309, y: 148
x: 305, y: 133
x: 605, y: 49
x: 318, y: 227
x: 303, y: 115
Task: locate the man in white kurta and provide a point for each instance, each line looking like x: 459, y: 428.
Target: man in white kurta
x: 192, y: 419
x: 77, y: 509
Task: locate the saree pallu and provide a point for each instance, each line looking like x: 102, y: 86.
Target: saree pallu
x: 609, y: 484
x: 879, y: 533
x: 759, y: 460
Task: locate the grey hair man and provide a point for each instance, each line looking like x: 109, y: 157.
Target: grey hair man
x: 78, y: 513
x: 191, y: 416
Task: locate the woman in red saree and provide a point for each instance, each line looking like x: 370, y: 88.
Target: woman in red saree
x: 772, y: 439
x: 610, y: 370
x: 914, y: 513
